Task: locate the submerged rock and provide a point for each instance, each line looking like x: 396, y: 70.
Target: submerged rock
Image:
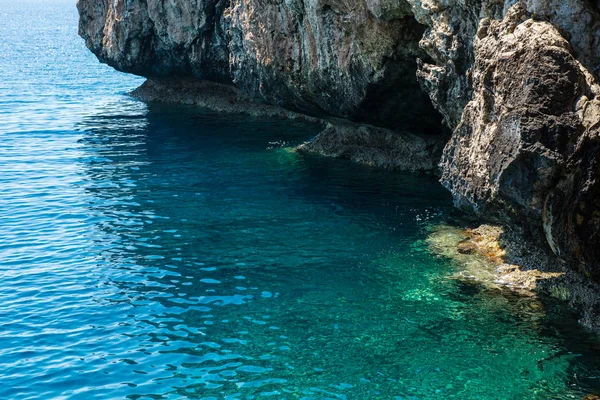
x: 500, y: 258
x: 371, y: 145
x: 451, y: 242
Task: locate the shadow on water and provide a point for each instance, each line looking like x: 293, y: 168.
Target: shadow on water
x: 246, y: 269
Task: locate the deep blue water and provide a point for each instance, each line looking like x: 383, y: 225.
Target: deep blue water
x: 151, y: 252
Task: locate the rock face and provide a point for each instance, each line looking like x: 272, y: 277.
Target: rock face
x: 332, y: 57
x: 526, y: 146
x: 514, y: 80
x: 157, y: 38
x: 454, y: 24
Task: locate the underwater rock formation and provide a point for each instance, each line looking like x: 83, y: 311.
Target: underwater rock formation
x: 514, y: 81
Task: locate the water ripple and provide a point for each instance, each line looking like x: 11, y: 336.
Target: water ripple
x: 167, y: 252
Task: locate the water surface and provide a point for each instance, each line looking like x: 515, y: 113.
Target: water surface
x: 156, y: 252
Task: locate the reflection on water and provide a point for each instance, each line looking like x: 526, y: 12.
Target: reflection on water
x: 155, y: 252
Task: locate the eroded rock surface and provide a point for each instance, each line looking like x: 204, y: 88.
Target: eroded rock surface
x: 526, y: 146
x: 454, y: 24
x: 158, y: 38
x: 344, y: 58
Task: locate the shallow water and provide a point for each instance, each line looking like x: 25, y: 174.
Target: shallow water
x: 166, y: 252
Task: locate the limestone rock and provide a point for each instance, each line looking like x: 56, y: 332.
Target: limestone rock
x: 454, y: 24
x: 526, y: 146
x: 345, y: 58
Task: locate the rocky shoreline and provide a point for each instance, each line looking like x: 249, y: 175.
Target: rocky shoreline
x: 489, y: 255
x: 504, y: 93
x: 215, y: 96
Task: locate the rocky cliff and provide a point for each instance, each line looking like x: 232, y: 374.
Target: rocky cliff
x: 318, y: 57
x: 514, y: 81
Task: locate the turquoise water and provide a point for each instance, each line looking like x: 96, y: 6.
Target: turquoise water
x: 152, y: 252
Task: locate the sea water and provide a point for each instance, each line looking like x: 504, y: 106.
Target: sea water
x: 167, y: 252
